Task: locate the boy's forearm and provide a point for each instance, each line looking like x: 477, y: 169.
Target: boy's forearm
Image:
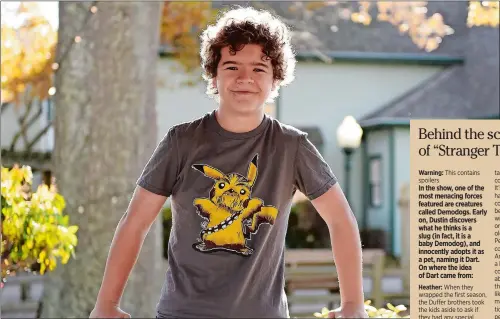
x: 123, y: 254
x: 346, y: 246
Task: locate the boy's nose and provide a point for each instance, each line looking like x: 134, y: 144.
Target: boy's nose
x: 244, y: 77
x: 245, y: 80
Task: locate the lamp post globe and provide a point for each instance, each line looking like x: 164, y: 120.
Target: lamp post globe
x: 349, y: 135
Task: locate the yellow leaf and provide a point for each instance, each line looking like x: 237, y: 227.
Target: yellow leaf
x: 52, y: 263
x: 42, y: 256
x: 73, y: 229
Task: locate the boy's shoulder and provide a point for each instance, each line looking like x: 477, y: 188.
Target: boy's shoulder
x: 188, y: 127
x: 287, y: 129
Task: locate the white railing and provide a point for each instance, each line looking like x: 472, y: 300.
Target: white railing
x: 21, y: 296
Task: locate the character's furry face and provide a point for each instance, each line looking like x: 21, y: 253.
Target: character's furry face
x: 231, y: 191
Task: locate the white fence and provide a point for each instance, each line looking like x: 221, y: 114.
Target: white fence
x: 21, y: 295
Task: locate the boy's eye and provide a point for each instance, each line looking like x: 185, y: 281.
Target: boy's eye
x: 222, y: 185
x: 259, y: 70
x: 231, y: 68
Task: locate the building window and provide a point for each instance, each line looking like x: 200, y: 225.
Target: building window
x: 375, y: 181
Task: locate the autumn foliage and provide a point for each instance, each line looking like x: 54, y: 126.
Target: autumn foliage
x: 28, y: 53
x: 36, y: 235
x: 181, y: 24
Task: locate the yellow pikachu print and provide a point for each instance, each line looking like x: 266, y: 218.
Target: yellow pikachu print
x: 230, y: 214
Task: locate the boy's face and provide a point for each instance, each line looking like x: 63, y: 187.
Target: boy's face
x: 244, y: 80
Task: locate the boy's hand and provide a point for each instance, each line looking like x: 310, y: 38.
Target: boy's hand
x: 103, y: 311
x: 349, y: 311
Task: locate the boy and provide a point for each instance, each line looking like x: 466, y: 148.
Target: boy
x: 231, y: 176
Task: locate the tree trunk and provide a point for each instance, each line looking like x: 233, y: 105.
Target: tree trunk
x: 105, y: 131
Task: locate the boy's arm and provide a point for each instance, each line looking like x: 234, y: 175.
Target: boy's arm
x: 346, y: 246
x: 126, y: 245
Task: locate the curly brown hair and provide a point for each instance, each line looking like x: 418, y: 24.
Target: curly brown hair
x: 241, y: 26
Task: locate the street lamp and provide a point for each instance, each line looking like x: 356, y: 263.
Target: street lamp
x: 349, y: 135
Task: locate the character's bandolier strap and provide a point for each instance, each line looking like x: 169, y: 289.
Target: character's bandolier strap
x: 222, y: 225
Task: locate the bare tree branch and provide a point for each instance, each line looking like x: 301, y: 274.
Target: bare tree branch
x: 38, y: 136
x: 21, y: 120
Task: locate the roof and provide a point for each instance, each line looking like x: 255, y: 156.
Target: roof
x: 379, y: 36
x: 470, y: 90
x: 380, y: 40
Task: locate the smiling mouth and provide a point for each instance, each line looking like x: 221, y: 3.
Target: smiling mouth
x: 244, y: 92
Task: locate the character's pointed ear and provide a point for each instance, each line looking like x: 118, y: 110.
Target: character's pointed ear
x: 252, y: 170
x: 209, y: 171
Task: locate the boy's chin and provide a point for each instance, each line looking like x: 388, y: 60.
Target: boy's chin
x: 247, y: 106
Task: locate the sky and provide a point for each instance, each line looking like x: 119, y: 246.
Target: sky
x: 48, y: 8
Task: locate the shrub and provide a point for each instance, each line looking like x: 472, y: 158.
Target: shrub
x: 35, y: 233
x: 313, y: 235
x: 389, y: 312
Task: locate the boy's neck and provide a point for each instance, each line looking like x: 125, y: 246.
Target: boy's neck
x: 237, y: 122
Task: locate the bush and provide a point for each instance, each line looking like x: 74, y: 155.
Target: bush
x: 314, y: 234
x: 35, y: 233
x: 390, y: 312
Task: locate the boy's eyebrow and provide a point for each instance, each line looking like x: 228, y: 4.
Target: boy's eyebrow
x: 253, y: 63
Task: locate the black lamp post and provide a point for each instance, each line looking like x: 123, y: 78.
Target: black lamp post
x: 349, y: 136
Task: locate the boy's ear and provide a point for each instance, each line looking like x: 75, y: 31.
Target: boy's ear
x: 214, y: 82
x: 275, y: 84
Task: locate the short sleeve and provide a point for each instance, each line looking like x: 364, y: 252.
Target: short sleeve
x: 161, y: 171
x: 313, y: 175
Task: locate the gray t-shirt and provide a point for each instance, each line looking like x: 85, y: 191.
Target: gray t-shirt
x: 231, y: 195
